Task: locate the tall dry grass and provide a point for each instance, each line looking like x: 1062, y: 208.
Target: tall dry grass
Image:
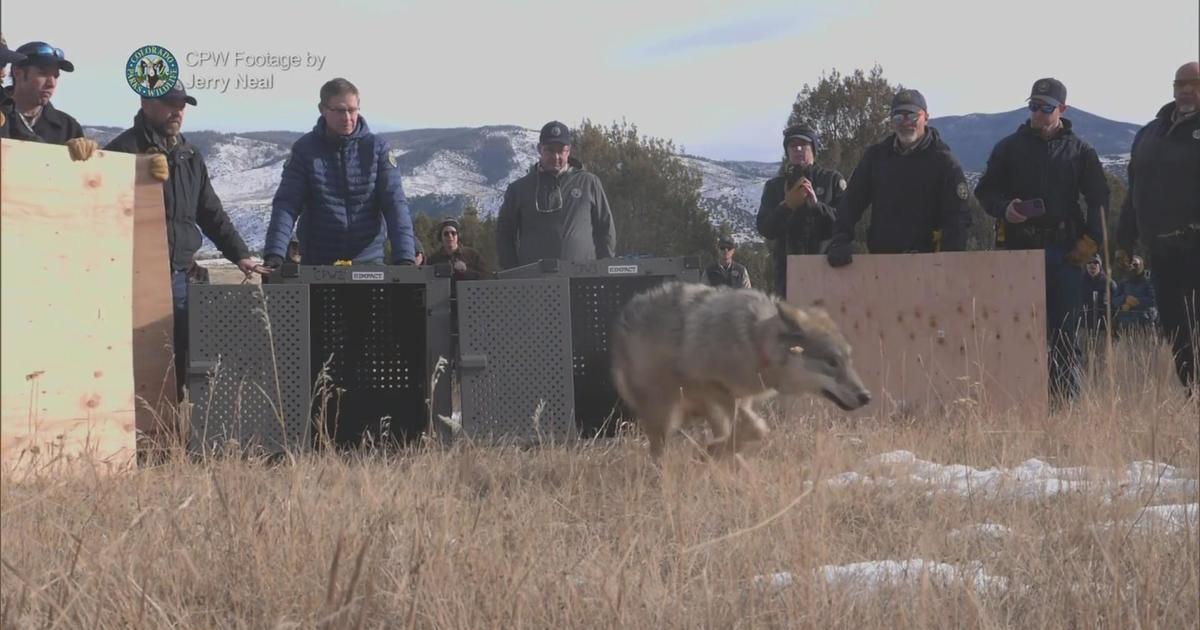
x: 594, y: 536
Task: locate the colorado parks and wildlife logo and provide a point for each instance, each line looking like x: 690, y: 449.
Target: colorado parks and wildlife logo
x: 152, y: 71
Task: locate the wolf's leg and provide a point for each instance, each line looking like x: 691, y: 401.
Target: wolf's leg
x: 722, y: 420
x: 749, y: 427
x: 662, y: 420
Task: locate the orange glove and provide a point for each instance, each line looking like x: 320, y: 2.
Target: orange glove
x: 1130, y: 302
x: 158, y: 167
x: 1085, y: 248
x: 81, y: 148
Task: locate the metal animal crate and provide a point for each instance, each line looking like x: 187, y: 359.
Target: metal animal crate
x: 350, y: 354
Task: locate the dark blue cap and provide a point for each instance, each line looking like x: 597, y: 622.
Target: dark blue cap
x: 555, y: 131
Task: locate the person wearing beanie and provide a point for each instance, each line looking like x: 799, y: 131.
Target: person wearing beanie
x: 466, y: 262
x: 798, y: 208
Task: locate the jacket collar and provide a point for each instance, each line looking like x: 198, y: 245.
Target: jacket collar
x: 1063, y: 131
x: 360, y: 131
x: 572, y: 166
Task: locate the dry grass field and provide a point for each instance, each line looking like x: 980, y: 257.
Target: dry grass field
x: 819, y: 531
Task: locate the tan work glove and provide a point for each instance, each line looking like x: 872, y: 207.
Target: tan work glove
x: 1085, y: 248
x: 3, y: 119
x: 795, y: 196
x: 158, y: 167
x: 81, y: 148
x: 1130, y: 302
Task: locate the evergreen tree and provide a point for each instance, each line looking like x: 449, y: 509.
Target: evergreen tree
x: 655, y: 196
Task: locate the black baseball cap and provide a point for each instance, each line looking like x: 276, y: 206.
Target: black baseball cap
x: 177, y: 93
x: 555, y: 131
x: 909, y: 101
x: 1050, y: 91
x: 41, y: 53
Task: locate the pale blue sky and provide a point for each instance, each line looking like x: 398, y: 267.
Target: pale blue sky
x: 717, y: 77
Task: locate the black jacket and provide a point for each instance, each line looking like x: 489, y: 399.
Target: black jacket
x: 803, y: 231
x: 192, y: 205
x: 53, y: 126
x: 1164, y: 182
x: 911, y: 195
x: 735, y: 276
x: 1026, y: 166
x: 476, y: 267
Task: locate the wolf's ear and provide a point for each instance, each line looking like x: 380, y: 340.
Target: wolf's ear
x: 793, y: 322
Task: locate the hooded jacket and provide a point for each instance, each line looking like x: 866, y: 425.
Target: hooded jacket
x: 347, y: 196
x: 555, y: 215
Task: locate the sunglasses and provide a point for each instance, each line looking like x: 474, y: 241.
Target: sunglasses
x: 725, y: 247
x: 449, y: 233
x: 1040, y: 107
x: 902, y: 117
x: 45, y: 50
x: 554, y: 199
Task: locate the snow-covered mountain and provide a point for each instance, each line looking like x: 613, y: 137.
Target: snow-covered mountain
x: 444, y: 170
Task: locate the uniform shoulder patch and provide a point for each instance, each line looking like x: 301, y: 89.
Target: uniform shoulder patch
x: 842, y: 183
x: 393, y: 157
x: 1196, y: 134
x: 962, y: 190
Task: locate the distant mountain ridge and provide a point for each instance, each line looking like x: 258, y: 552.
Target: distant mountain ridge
x: 446, y: 169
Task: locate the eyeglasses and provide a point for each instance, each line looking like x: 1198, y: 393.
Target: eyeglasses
x: 1041, y: 107
x: 725, y: 247
x: 903, y: 117
x: 1178, y: 83
x: 449, y: 233
x: 345, y: 111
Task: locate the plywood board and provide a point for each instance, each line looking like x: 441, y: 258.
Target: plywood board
x: 66, y: 379
x: 153, y: 315
x: 932, y: 332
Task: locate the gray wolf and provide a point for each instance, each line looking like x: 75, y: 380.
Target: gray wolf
x: 684, y: 353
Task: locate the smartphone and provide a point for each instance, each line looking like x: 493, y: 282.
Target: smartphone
x: 1030, y: 208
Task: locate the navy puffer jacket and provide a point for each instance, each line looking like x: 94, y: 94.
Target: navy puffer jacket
x: 347, y: 195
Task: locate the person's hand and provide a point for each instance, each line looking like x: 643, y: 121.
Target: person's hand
x: 3, y: 120
x: 460, y: 266
x: 271, y: 262
x: 249, y: 267
x: 158, y: 167
x: 797, y: 194
x: 1083, y: 251
x: 81, y: 148
x: 1011, y: 215
x: 1130, y: 302
x: 839, y: 255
